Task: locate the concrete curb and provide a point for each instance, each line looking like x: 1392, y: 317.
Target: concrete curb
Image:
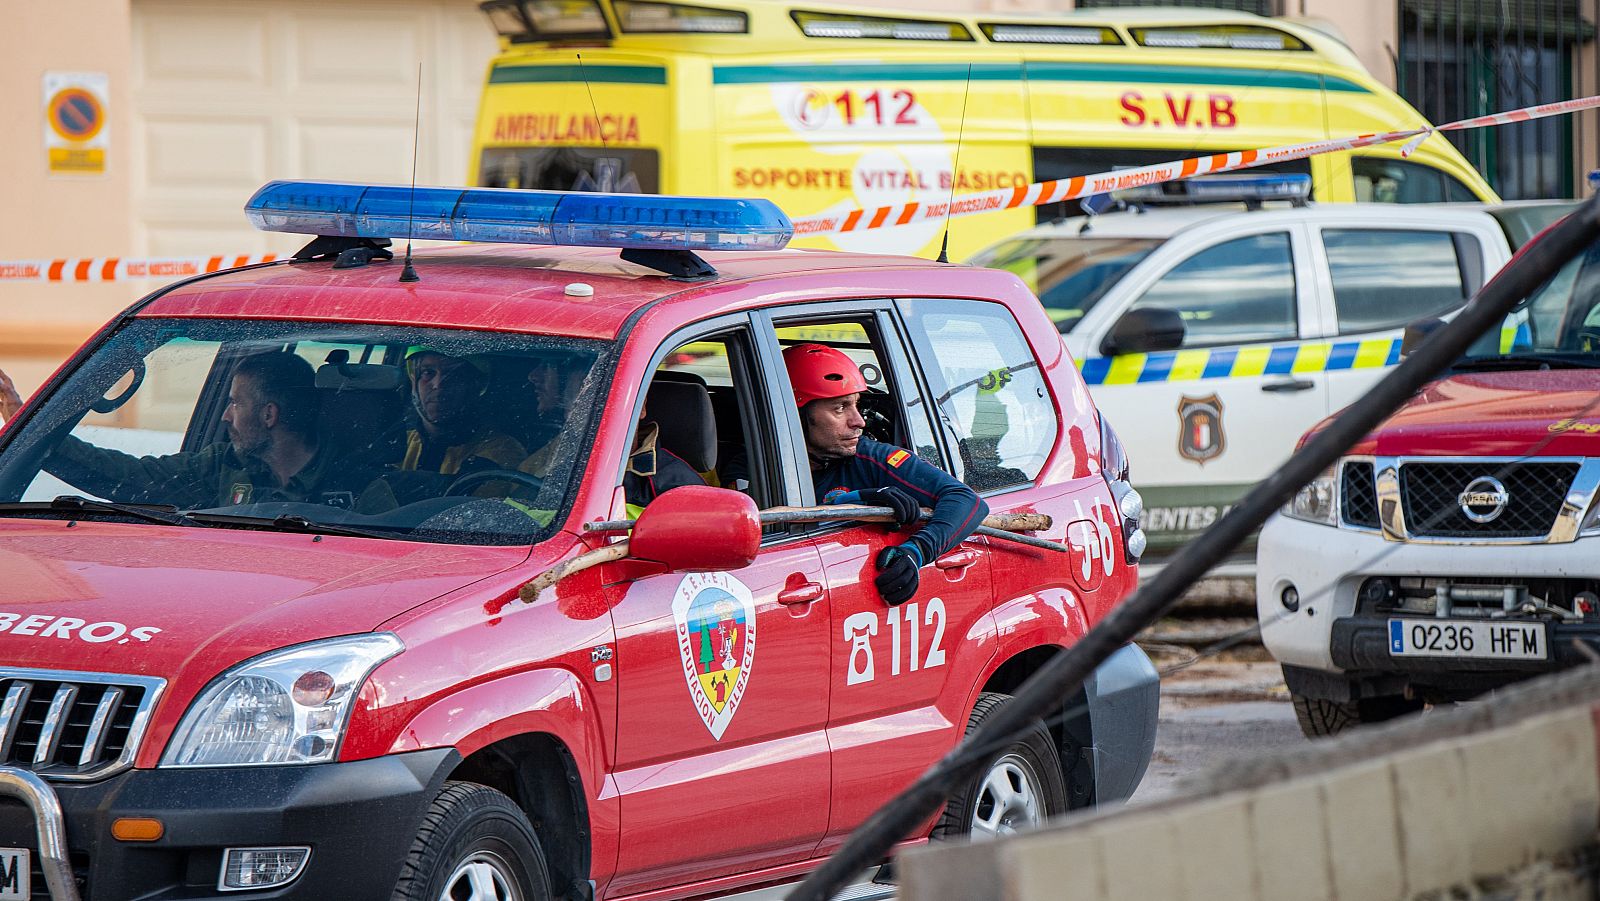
x: 1484, y: 794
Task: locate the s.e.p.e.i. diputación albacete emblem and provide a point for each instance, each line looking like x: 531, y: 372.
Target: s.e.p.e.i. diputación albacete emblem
x: 716, y: 620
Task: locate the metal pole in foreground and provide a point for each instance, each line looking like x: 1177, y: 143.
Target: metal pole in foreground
x: 1042, y: 694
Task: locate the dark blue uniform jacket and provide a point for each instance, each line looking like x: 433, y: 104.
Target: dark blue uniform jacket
x: 957, y: 509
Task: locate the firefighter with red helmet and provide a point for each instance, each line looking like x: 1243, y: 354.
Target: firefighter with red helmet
x: 848, y: 466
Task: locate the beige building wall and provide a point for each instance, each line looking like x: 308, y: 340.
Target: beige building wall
x: 48, y: 216
x: 209, y: 99
x: 1370, y: 28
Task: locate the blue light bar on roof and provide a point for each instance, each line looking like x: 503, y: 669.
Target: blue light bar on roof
x: 500, y: 215
x: 1225, y: 188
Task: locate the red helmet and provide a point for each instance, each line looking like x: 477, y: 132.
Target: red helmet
x: 817, y: 372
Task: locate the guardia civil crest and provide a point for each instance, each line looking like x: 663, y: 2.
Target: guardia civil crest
x: 716, y: 619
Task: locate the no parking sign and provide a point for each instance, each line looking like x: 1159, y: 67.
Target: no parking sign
x: 75, y: 133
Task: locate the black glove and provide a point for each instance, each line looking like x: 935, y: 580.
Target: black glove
x: 897, y: 573
x: 904, y: 505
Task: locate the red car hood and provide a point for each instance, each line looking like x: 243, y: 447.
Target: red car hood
x: 159, y: 601
x: 1549, y: 413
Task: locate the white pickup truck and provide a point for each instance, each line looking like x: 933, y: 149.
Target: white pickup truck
x: 1213, y: 335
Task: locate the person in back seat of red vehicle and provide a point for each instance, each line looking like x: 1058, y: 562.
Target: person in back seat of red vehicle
x: 849, y: 467
x: 652, y: 469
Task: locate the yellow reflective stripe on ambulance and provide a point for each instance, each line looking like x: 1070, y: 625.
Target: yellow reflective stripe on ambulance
x: 1241, y: 362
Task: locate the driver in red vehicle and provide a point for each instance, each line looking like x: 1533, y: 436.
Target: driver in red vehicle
x: 272, y: 452
x: 848, y: 467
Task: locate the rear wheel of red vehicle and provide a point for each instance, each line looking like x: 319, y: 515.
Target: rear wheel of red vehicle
x: 1020, y: 787
x: 1320, y: 718
x: 475, y: 844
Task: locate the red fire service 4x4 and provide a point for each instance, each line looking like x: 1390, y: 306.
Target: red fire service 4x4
x: 282, y: 546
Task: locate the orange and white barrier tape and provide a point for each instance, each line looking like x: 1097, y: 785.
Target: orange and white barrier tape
x: 114, y: 269
x: 1057, y: 190
x: 110, y: 269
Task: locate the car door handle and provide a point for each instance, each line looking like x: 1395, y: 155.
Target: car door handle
x: 958, y: 560
x: 1289, y: 385
x: 804, y: 593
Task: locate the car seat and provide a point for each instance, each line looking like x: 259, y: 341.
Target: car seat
x: 682, y: 410
x: 359, y: 404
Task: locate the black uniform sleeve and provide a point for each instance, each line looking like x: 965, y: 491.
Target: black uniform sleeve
x: 182, y: 479
x: 957, y: 509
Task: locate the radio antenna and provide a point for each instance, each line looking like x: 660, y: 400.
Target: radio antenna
x: 955, y: 171
x: 595, y: 108
x: 407, y: 272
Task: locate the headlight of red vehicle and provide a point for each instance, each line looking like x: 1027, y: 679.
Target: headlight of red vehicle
x: 1317, y: 501
x: 1115, y: 467
x: 288, y: 706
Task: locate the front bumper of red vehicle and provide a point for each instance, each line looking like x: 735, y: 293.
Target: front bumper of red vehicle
x: 359, y: 819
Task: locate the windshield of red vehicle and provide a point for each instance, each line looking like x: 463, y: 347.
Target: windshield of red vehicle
x: 1559, y: 322
x: 429, y: 435
x: 1070, y: 274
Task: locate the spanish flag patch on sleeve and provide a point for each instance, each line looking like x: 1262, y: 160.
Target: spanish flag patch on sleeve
x: 898, y: 457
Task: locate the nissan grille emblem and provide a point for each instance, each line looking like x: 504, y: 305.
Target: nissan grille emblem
x: 1484, y: 500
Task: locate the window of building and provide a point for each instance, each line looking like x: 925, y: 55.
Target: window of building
x: 1465, y: 58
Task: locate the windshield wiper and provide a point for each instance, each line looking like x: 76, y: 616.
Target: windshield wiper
x: 166, y: 514
x: 285, y: 523
x: 1528, y: 360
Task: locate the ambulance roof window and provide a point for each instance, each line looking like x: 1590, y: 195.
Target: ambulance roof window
x: 547, y: 20
x: 650, y: 17
x: 1219, y: 37
x: 816, y: 24
x: 1031, y: 33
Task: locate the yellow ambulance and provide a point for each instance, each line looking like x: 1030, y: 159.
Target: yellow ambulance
x: 826, y: 108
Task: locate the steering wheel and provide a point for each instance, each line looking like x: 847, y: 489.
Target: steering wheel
x: 112, y: 404
x: 471, y: 480
x: 1588, y: 338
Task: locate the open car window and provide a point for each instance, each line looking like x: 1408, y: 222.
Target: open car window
x: 173, y: 414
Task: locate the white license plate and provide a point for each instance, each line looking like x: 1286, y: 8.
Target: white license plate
x: 14, y: 873
x: 1467, y: 638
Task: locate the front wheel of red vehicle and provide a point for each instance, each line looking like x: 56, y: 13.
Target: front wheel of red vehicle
x: 475, y: 844
x: 1020, y: 787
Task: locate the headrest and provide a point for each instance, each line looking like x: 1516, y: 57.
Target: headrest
x: 679, y: 375
x: 359, y: 377
x: 688, y: 428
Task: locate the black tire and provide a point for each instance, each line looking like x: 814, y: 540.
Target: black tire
x: 474, y: 844
x: 1321, y: 718
x: 1028, y: 766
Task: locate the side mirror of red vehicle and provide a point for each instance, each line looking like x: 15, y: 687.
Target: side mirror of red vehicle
x: 697, y: 528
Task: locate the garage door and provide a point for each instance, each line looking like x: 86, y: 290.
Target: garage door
x: 230, y: 96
